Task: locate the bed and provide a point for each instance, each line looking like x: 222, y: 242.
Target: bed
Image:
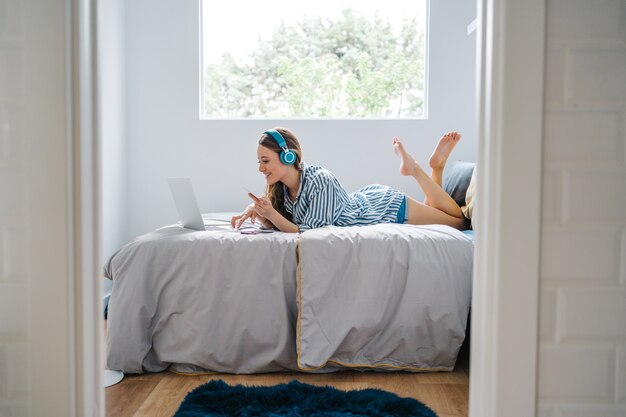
x: 383, y: 297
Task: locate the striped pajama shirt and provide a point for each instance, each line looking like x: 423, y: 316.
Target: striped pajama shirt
x: 322, y: 201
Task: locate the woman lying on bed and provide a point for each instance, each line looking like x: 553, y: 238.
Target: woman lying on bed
x: 300, y: 197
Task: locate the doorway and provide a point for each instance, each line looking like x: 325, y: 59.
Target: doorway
x: 504, y: 320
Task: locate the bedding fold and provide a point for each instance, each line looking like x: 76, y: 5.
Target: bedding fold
x: 203, y: 301
x: 397, y: 297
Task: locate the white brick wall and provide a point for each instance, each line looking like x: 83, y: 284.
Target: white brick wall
x: 594, y: 194
x: 545, y: 411
x: 621, y: 375
x: 577, y: 373
x: 14, y: 286
x: 596, y: 75
x: 13, y: 249
x: 580, y: 253
x: 596, y: 136
x: 584, y: 19
x: 591, y: 314
x: 623, y: 266
x: 582, y: 348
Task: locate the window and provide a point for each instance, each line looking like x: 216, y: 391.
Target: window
x: 322, y: 59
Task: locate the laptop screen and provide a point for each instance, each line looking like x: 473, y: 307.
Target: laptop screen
x: 186, y: 204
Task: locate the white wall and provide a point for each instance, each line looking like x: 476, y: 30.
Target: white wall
x: 582, y: 348
x: 15, y: 337
x: 36, y: 368
x: 112, y: 126
x: 165, y: 138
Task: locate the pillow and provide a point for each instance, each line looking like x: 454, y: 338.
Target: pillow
x: 456, y: 180
x: 470, y: 197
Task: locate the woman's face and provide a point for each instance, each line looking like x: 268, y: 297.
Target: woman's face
x: 270, y: 165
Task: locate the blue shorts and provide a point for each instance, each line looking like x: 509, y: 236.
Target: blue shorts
x: 402, y: 217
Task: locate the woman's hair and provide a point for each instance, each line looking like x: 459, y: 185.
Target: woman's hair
x: 275, y: 191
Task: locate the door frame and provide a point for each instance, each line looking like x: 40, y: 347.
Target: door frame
x: 84, y: 182
x: 505, y: 299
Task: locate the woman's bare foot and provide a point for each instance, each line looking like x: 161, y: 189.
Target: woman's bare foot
x: 444, y: 148
x: 408, y: 166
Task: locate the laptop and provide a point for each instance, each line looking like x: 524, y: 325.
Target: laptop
x: 190, y: 217
x: 186, y: 204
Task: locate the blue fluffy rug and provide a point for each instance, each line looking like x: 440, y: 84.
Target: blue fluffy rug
x: 216, y: 398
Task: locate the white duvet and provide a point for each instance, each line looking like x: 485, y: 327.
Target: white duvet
x: 375, y: 297
x: 387, y: 296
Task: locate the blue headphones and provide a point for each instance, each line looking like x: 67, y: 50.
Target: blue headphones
x: 287, y: 156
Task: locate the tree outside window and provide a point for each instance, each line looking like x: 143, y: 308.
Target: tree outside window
x: 347, y: 66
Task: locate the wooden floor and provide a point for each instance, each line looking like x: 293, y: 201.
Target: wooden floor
x: 160, y: 394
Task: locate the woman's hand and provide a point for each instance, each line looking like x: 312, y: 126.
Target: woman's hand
x: 261, y: 210
x: 248, y: 213
x: 263, y: 207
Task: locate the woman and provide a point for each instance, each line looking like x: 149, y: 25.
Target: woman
x: 300, y: 197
